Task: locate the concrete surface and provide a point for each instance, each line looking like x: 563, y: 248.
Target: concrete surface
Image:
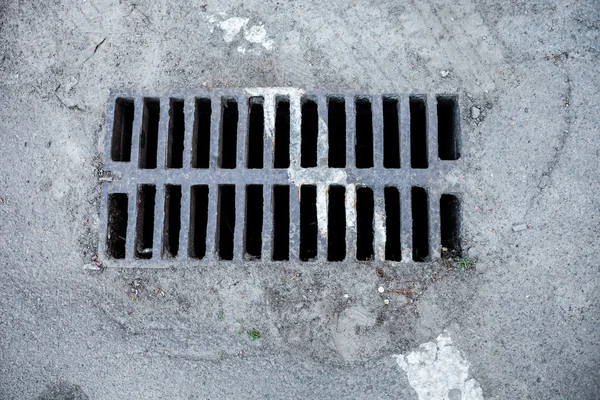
x: 523, y: 323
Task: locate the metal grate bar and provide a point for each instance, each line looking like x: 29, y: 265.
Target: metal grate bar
x: 185, y: 223
x: 379, y: 223
x: 267, y: 225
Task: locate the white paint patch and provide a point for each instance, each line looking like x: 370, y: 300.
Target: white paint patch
x: 258, y: 34
x: 253, y: 39
x: 438, y: 371
x: 231, y: 27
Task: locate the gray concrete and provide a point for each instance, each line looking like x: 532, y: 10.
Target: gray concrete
x: 525, y: 320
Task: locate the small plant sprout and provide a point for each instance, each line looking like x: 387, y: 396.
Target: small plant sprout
x: 221, y: 315
x: 253, y: 334
x: 465, y: 263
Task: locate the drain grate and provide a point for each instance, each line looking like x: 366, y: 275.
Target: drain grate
x: 278, y: 175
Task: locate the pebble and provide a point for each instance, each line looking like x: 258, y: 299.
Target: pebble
x: 444, y: 74
x: 520, y: 227
x: 475, y: 112
x: 472, y: 252
x: 386, y: 301
x: 92, y: 267
x: 346, y: 296
x: 381, y: 289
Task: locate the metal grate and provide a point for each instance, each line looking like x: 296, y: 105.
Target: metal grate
x: 279, y: 175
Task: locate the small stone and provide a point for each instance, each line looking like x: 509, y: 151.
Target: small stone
x: 475, y: 112
x: 92, y: 267
x: 381, y: 289
x: 105, y: 179
x: 472, y: 252
x: 444, y: 74
x: 346, y: 296
x: 520, y: 227
x: 386, y: 301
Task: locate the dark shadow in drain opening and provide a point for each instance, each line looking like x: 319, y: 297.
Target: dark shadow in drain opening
x: 226, y: 226
x: 228, y: 140
x: 309, y: 134
x: 418, y: 133
x: 172, y: 222
x: 450, y: 220
x: 254, y: 221
x: 282, y: 134
x: 448, y: 128
x: 122, y: 130
x: 149, y: 134
x: 201, y: 137
x: 256, y: 130
x: 364, y: 223
x: 117, y: 225
x: 364, y: 134
x: 308, y: 222
x: 392, y: 224
x: 336, y: 122
x: 391, y: 133
x: 281, y: 222
x: 336, y: 223
x: 176, y: 134
x: 144, y: 231
x: 420, y: 223
x: 198, y: 221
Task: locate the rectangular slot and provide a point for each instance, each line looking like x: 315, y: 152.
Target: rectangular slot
x: 281, y: 223
x: 364, y: 224
x: 254, y: 221
x: 282, y: 134
x: 176, y: 134
x: 391, y: 133
x: 226, y: 224
x: 308, y: 222
x: 418, y: 133
x: 201, y: 135
x: 172, y: 222
x: 448, y: 128
x: 117, y: 225
x: 149, y: 134
x: 256, y: 130
x: 337, y: 132
x: 420, y: 222
x: 122, y: 130
x: 364, y: 134
x: 228, y: 142
x: 198, y: 221
x: 336, y: 223
x: 450, y: 224
x: 392, y: 224
x: 144, y: 231
x: 309, y: 134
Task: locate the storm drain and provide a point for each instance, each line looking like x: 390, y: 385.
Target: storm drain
x: 280, y: 175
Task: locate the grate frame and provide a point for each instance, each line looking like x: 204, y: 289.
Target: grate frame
x: 127, y: 176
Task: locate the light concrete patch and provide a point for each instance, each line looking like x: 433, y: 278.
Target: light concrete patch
x: 438, y: 371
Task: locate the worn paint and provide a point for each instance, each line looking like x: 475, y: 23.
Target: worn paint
x: 231, y: 27
x: 437, y: 370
